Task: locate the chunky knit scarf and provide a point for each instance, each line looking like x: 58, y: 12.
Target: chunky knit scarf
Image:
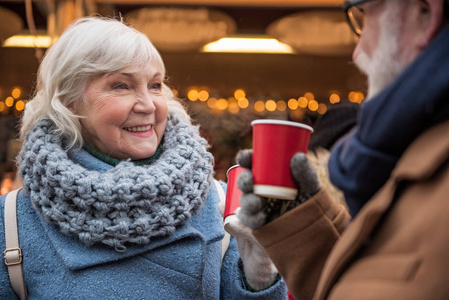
x: 127, y: 204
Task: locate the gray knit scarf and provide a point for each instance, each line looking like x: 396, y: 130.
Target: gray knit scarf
x: 127, y: 204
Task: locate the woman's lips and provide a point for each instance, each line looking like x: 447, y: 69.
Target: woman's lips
x: 140, y: 131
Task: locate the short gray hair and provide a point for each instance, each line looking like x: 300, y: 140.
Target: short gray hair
x: 89, y: 47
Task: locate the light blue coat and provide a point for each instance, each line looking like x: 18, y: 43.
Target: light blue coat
x: 184, y: 266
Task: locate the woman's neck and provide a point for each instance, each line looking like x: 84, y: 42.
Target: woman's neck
x: 114, y: 161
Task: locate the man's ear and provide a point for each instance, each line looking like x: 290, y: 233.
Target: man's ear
x: 432, y: 17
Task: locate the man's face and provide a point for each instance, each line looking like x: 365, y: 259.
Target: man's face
x: 382, y: 52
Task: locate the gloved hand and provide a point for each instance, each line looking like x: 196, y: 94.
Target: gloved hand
x: 259, y: 270
x: 255, y: 210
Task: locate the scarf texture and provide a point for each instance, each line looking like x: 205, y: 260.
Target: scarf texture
x: 127, y: 204
x: 418, y: 99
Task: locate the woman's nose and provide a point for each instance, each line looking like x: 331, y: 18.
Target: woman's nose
x: 145, y: 103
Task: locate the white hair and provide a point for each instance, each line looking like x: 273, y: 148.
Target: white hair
x: 89, y: 47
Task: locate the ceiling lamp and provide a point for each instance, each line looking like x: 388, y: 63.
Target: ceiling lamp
x: 29, y: 41
x: 181, y: 29
x: 315, y: 32
x: 248, y: 45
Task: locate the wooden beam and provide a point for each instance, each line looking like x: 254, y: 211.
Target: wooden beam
x: 271, y: 3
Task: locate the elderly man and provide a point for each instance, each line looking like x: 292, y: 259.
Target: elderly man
x: 393, y: 169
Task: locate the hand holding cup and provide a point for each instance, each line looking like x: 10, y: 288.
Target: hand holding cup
x: 259, y: 208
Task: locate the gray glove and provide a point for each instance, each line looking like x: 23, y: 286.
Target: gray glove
x: 256, y: 211
x: 259, y: 270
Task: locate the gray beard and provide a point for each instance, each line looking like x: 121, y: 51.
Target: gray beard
x: 386, y: 62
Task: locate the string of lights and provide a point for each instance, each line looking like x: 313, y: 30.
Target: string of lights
x: 239, y: 101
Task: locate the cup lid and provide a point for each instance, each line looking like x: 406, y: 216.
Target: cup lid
x: 282, y: 122
x: 233, y: 167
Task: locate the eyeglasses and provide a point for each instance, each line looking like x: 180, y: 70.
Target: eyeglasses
x: 355, y: 15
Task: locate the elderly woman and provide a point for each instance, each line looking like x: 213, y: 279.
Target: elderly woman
x: 118, y: 200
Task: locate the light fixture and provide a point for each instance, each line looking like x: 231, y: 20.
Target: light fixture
x: 28, y: 41
x: 252, y: 44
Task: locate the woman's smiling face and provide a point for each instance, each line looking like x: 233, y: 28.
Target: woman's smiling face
x: 124, y: 113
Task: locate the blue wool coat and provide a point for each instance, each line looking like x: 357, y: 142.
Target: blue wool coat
x: 183, y: 266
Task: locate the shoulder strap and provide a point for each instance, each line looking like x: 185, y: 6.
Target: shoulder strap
x: 226, y: 239
x: 13, y: 254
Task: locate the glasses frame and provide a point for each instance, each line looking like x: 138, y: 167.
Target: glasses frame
x: 346, y: 6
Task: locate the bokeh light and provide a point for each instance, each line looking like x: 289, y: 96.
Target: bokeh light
x: 322, y: 108
x: 281, y: 105
x: 309, y: 96
x: 303, y: 102
x: 293, y: 104
x: 20, y: 105
x: 334, y: 98
x: 243, y: 103
x: 16, y: 92
x: 270, y: 105
x: 192, y: 95
x: 222, y: 104
x: 9, y: 102
x: 203, y: 95
x: 239, y: 94
x: 233, y: 107
x: 259, y: 106
x: 313, y: 105
x: 212, y: 102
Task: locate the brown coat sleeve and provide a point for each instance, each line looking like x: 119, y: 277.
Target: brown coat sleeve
x: 300, y: 241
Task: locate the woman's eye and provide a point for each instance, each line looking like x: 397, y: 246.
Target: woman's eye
x: 120, y: 86
x: 156, y: 86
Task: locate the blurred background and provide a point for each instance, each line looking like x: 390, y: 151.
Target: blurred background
x: 230, y: 61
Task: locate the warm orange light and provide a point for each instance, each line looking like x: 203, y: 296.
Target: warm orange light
x: 16, y: 92
x: 243, y: 103
x: 9, y: 101
x: 351, y: 96
x: 239, y: 94
x: 259, y: 106
x: 6, y: 186
x: 293, y: 104
x: 20, y: 105
x: 233, y: 107
x: 222, y: 104
x: 334, y: 98
x: 203, y: 95
x: 281, y: 105
x: 360, y: 97
x: 303, y: 102
x: 309, y: 96
x: 2, y: 106
x: 270, y: 105
x: 356, y: 97
x: 313, y: 105
x: 212, y: 102
x: 322, y: 108
x: 192, y: 95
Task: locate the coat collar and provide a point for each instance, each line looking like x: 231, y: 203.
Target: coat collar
x: 204, y: 228
x: 435, y: 143
x: 76, y: 255
x: 420, y: 161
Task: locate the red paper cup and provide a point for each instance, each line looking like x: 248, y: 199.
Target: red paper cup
x: 274, y: 144
x: 232, y: 193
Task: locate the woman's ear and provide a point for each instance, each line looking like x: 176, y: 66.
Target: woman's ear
x: 431, y: 18
x: 72, y: 108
